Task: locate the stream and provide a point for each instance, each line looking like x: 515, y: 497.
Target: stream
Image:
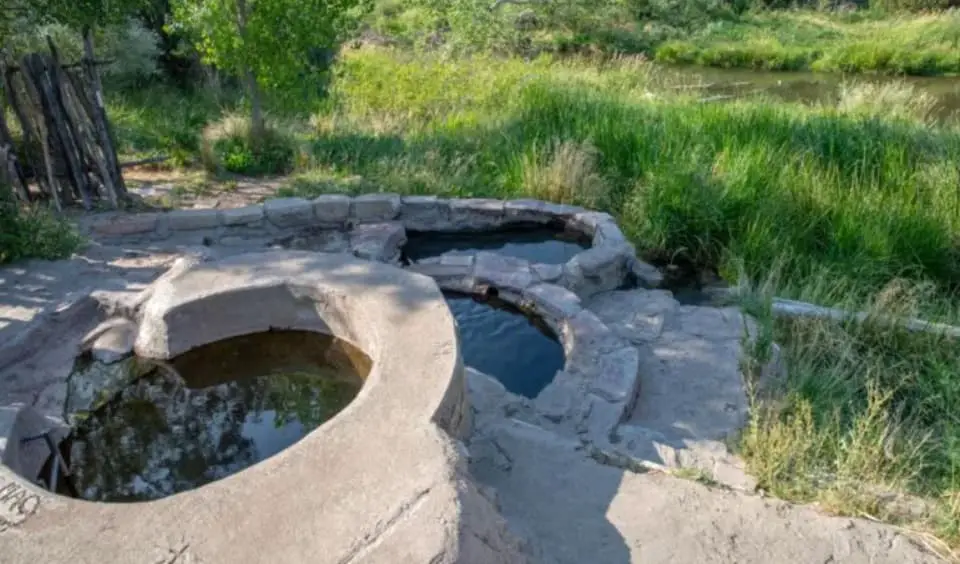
x: 809, y: 87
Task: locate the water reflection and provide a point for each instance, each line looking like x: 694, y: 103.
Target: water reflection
x: 540, y: 244
x: 213, y: 412
x: 811, y: 88
x: 500, y: 341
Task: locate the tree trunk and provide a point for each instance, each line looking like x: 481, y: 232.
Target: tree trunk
x: 257, y: 124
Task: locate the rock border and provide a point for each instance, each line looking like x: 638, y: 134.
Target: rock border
x: 609, y: 261
x: 384, y: 478
x: 599, y: 383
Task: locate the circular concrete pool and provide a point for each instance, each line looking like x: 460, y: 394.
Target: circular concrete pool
x: 382, y: 480
x: 209, y: 413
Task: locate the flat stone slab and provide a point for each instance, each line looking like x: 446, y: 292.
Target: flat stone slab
x: 638, y: 317
x: 575, y: 510
x: 289, y: 212
x: 692, y: 394
x: 383, y: 481
x: 378, y: 241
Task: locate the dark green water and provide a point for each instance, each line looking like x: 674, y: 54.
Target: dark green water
x: 213, y: 412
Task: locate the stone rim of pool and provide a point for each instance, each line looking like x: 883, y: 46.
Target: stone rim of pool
x: 391, y: 452
x: 424, y: 495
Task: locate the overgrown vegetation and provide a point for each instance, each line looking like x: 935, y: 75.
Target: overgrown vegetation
x: 229, y: 145
x: 924, y: 44
x: 34, y: 233
x: 887, y: 38
x: 853, y: 203
x: 864, y: 421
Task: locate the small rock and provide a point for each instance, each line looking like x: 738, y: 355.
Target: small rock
x: 425, y: 213
x: 607, y: 231
x: 553, y: 301
x: 331, y: 210
x: 370, y: 208
x: 378, y: 241
x: 599, y: 269
x: 127, y: 224
x: 549, y: 273
x: 189, y: 220
x: 647, y: 275
x: 526, y: 211
x: 289, y: 212
x: 502, y: 272
x: 112, y: 340
x: 241, y: 216
x: 476, y: 214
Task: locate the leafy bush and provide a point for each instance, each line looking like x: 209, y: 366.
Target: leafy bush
x: 229, y: 145
x: 33, y: 232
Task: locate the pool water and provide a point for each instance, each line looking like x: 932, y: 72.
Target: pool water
x: 212, y: 412
x: 499, y: 340
x: 540, y: 244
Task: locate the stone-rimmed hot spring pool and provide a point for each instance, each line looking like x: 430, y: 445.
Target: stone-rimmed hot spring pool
x: 211, y: 412
x: 536, y: 243
x: 499, y: 340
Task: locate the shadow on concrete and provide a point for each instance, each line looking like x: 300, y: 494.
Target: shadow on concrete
x: 552, y: 494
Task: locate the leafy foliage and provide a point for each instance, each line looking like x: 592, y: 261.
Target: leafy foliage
x: 228, y: 146
x: 33, y: 233
x: 280, y: 41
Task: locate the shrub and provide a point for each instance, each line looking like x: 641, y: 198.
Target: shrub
x: 228, y: 145
x: 33, y: 232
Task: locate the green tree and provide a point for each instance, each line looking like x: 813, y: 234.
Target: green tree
x: 268, y: 43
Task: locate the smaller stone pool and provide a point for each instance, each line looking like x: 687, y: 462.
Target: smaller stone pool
x: 535, y: 243
x: 499, y: 340
x: 211, y: 412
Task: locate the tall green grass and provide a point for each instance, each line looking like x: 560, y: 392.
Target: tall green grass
x: 859, y: 197
x: 864, y: 421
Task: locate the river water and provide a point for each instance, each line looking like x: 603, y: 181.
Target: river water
x: 808, y: 87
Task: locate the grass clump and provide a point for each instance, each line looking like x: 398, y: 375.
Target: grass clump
x: 34, y: 232
x: 863, y: 422
x: 894, y: 100
x: 564, y: 172
x: 913, y: 37
x: 229, y: 145
x: 871, y: 42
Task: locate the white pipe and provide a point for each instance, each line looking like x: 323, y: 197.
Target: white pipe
x: 793, y: 308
